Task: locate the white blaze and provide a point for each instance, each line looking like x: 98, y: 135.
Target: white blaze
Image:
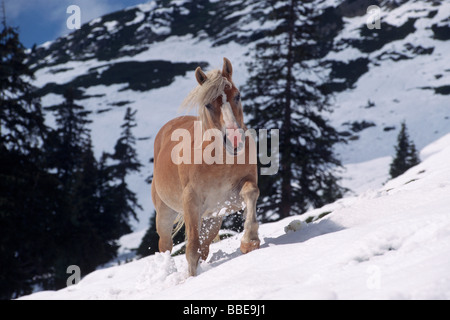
x: 227, y: 113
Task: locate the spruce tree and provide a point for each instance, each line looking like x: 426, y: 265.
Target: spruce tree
x: 124, y: 150
x: 71, y: 138
x: 406, y: 155
x: 283, y: 92
x: 21, y: 119
x: 125, y: 161
x: 26, y: 188
x: 83, y: 228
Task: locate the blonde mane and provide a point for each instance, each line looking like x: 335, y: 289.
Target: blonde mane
x: 200, y: 96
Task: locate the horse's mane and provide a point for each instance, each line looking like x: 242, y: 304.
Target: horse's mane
x: 201, y: 95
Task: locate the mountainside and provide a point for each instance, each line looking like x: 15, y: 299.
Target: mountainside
x: 389, y: 243
x: 144, y: 57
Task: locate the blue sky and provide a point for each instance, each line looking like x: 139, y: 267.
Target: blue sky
x: 43, y: 20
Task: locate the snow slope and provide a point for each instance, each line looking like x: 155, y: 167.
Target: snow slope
x: 390, y: 243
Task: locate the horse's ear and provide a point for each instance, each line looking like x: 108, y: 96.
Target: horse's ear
x: 227, y: 69
x: 200, y: 75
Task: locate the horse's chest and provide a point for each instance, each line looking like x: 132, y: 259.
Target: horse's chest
x: 222, y: 198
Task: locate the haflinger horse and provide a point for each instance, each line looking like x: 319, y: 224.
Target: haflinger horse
x: 198, y: 191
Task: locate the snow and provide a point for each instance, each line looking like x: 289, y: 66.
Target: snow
x: 95, y: 21
x: 146, y: 7
x: 391, y: 242
x: 293, y: 226
x: 111, y: 26
x: 46, y: 44
x: 362, y: 176
x: 130, y: 241
x: 139, y: 18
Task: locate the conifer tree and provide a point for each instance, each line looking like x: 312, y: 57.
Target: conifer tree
x: 283, y: 92
x: 71, y: 138
x: 124, y: 150
x: 26, y: 206
x: 21, y: 119
x: 85, y: 230
x: 406, y: 155
x: 125, y: 162
x: 66, y: 149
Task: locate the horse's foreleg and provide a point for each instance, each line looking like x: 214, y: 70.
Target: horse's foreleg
x: 192, y: 224
x: 250, y: 240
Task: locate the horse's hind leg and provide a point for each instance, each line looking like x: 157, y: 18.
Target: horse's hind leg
x: 250, y: 240
x: 192, y: 225
x: 165, y: 218
x: 210, y: 229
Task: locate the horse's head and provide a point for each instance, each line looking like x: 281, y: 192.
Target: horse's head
x: 220, y: 103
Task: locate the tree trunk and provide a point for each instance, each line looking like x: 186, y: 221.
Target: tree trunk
x: 286, y: 175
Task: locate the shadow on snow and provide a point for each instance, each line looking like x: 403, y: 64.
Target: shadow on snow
x: 305, y: 233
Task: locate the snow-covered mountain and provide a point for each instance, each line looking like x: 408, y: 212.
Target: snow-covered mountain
x: 144, y: 57
x: 387, y: 243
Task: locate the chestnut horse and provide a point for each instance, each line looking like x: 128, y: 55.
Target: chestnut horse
x: 198, y: 191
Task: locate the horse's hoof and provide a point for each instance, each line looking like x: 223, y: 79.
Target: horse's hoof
x: 246, y: 247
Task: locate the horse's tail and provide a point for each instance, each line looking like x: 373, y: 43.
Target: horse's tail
x: 179, y: 221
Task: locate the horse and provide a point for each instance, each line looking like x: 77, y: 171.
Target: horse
x: 199, y: 193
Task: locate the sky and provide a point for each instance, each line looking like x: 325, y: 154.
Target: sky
x: 45, y: 20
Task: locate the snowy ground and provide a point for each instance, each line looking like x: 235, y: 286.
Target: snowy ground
x: 387, y: 243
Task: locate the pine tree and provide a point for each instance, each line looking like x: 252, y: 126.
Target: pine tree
x: 125, y: 162
x: 283, y: 92
x: 84, y: 228
x: 124, y: 150
x: 26, y: 188
x: 71, y: 138
x: 406, y: 155
x: 21, y: 119
x: 65, y: 149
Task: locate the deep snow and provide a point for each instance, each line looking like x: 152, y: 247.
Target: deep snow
x: 387, y: 243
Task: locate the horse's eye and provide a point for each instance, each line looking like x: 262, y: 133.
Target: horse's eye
x: 237, y: 98
x: 208, y: 106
